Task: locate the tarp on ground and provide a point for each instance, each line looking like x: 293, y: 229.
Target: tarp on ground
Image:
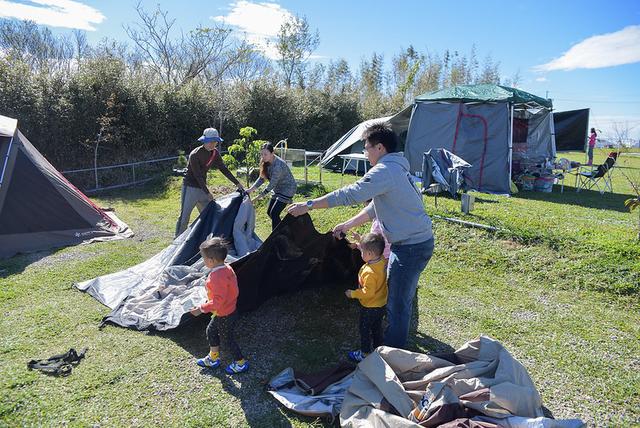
x: 479, y: 385
x: 157, y: 294
x: 571, y: 129
x: 312, y: 394
x: 39, y: 207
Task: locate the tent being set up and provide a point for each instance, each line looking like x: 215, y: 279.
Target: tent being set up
x: 39, y: 208
x: 158, y: 293
x: 500, y: 131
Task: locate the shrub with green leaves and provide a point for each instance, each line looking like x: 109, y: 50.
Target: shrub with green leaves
x: 182, y: 160
x: 244, y: 152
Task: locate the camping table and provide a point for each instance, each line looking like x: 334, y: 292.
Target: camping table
x: 346, y: 160
x: 563, y: 172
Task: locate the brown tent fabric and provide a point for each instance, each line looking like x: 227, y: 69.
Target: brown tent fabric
x: 317, y: 395
x: 294, y: 256
x: 315, y: 383
x: 394, y: 387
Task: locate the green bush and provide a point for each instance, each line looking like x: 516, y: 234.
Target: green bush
x: 139, y: 118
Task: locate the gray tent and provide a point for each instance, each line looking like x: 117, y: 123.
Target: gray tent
x: 351, y: 142
x: 39, y: 208
x: 498, y: 130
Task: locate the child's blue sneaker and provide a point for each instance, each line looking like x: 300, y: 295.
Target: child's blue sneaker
x: 357, y: 356
x: 208, y: 362
x: 237, y: 368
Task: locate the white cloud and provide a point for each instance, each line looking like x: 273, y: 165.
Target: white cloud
x: 56, y: 13
x: 260, y: 22
x: 541, y: 79
x: 605, y: 50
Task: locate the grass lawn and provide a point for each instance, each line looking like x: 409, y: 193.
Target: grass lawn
x: 558, y: 285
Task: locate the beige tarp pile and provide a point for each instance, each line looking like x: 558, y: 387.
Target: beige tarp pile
x: 480, y: 385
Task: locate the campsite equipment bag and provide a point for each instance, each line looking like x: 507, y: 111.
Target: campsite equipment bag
x: 58, y: 365
x: 544, y: 183
x: 528, y: 182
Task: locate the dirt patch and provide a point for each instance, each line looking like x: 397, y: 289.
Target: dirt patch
x: 634, y: 364
x: 526, y: 316
x: 145, y: 231
x: 511, y: 245
x: 549, y: 304
x: 49, y: 258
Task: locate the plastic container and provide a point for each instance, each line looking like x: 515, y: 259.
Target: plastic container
x: 544, y: 184
x: 528, y: 182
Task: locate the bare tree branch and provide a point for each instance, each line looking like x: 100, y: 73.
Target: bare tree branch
x: 203, y: 53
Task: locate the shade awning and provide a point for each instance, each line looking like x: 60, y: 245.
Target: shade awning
x: 485, y: 93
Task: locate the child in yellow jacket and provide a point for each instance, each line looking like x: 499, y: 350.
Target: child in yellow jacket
x: 372, y: 293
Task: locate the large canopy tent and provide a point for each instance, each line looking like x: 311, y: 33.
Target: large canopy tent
x: 39, y: 208
x: 498, y: 130
x: 351, y: 143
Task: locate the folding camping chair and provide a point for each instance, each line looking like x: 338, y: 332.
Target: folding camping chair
x: 600, y: 174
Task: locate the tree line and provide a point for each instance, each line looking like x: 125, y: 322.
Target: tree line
x: 153, y: 95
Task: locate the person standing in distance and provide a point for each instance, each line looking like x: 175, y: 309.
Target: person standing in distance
x: 592, y: 143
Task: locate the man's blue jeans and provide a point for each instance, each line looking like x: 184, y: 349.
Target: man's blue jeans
x: 406, y: 263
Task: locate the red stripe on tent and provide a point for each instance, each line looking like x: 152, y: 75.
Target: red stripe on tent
x: 89, y: 201
x: 455, y: 137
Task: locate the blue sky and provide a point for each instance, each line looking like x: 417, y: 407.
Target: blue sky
x: 583, y: 54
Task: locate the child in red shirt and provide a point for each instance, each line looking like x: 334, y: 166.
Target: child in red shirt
x: 222, y: 293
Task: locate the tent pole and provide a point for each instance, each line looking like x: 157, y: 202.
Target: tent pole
x: 552, y: 126
x: 95, y: 158
x: 6, y: 160
x: 511, y: 146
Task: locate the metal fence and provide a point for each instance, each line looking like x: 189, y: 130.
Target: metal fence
x: 135, y: 176
x: 300, y: 155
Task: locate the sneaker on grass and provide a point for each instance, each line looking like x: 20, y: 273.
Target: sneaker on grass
x: 235, y: 367
x: 208, y: 362
x: 357, y: 356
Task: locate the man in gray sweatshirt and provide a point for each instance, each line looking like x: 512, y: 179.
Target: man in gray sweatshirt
x: 397, y: 204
